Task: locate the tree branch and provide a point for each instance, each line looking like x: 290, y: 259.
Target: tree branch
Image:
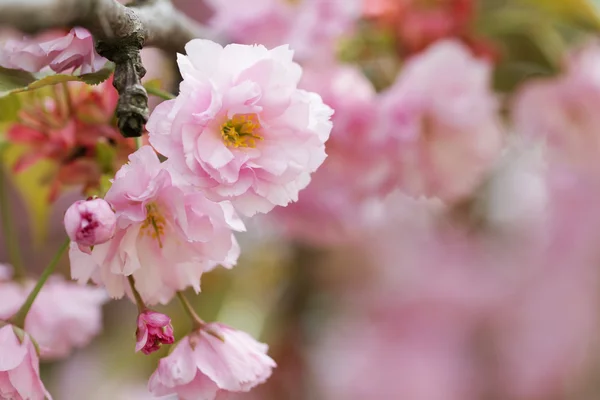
x: 120, y: 33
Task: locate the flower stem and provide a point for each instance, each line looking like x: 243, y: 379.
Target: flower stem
x: 154, y: 91
x: 138, y: 299
x: 197, y: 322
x: 19, y: 318
x: 8, y: 230
x: 138, y: 142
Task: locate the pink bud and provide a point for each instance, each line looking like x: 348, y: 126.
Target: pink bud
x: 153, y: 330
x: 90, y: 222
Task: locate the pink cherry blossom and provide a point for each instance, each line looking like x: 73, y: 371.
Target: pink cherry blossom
x: 329, y: 210
x: 560, y: 111
x: 61, y: 52
x: 310, y: 27
x: 203, y: 366
x: 69, y: 125
x: 19, y: 368
x: 240, y: 129
x: 64, y: 315
x: 440, y: 118
x: 167, y: 235
x: 243, y: 22
x: 90, y: 222
x: 153, y: 330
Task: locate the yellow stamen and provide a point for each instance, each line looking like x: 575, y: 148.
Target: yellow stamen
x: 240, y: 131
x: 154, y: 225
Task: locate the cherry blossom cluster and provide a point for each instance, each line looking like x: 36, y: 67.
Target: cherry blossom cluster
x: 240, y: 138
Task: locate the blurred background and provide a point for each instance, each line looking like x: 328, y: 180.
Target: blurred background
x: 449, y: 247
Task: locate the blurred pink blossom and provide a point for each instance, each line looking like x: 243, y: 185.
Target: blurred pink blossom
x: 19, y: 368
x: 168, y: 234
x: 64, y: 315
x: 68, y: 125
x: 240, y: 129
x: 329, y: 210
x: 153, y: 330
x: 61, y: 52
x: 561, y: 111
x: 440, y: 120
x: 203, y: 366
x: 90, y: 222
x: 453, y: 313
x: 310, y: 27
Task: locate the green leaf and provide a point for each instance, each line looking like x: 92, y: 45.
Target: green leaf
x: 10, y: 106
x: 15, y: 81
x: 579, y: 12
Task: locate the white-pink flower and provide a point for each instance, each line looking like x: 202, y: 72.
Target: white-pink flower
x: 19, y: 368
x: 61, y: 52
x: 440, y: 118
x: 168, y: 234
x: 240, y: 129
x: 64, y: 316
x: 203, y: 366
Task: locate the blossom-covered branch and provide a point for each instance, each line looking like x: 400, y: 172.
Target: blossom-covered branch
x: 120, y: 32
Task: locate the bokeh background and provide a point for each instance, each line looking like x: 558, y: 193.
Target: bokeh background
x: 483, y: 283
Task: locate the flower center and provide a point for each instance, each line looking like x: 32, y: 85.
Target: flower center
x: 154, y: 225
x: 240, y: 131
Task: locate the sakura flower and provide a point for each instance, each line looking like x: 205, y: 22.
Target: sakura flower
x: 153, y: 329
x: 71, y: 125
x: 64, y: 315
x: 560, y: 112
x: 60, y: 51
x: 167, y: 234
x: 203, y: 366
x: 310, y: 27
x: 328, y: 210
x: 440, y: 118
x: 19, y: 367
x: 90, y: 222
x: 240, y: 129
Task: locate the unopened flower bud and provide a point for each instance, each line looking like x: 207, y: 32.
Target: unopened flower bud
x: 153, y: 330
x: 90, y: 222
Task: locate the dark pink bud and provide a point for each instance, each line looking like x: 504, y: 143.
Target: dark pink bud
x: 90, y: 222
x: 153, y: 330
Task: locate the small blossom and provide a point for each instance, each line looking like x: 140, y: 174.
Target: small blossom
x: 240, y: 129
x: 153, y: 329
x: 19, y: 367
x: 203, y: 366
x: 167, y: 235
x: 61, y: 52
x: 90, y: 222
x: 441, y: 121
x: 64, y: 316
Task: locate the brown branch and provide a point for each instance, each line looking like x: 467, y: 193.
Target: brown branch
x: 120, y: 33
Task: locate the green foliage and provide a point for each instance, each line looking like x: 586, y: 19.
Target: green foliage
x: 533, y: 35
x: 375, y: 51
x: 15, y: 81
